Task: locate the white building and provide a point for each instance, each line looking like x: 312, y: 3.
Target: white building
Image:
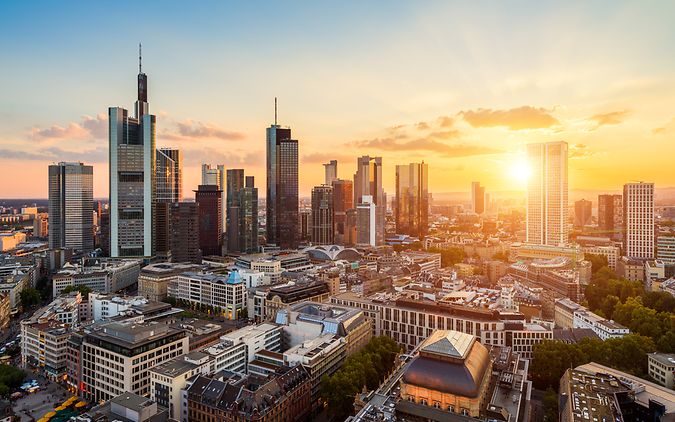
x: 256, y: 338
x: 366, y: 219
x: 638, y: 220
x: 604, y: 328
x: 226, y: 295
x: 99, y: 274
x: 612, y: 253
x: 662, y: 368
x: 547, y: 193
x: 665, y: 248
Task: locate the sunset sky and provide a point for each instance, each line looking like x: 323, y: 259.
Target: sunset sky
x: 461, y: 85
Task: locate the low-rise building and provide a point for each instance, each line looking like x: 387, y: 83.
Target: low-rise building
x: 225, y: 295
x: 5, y: 310
x: 13, y: 283
x: 631, y: 269
x: 127, y: 407
x: 604, y: 328
x: 154, y: 279
x: 662, y: 368
x: 103, y: 275
x: 611, y: 252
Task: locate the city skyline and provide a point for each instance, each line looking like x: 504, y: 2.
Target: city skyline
x: 469, y: 113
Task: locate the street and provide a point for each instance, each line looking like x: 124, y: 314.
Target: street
x: 36, y: 405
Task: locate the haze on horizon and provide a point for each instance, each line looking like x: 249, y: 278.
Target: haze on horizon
x: 462, y: 86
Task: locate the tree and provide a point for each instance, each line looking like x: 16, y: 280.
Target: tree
x: 550, y: 405
x: 30, y: 297
x: 84, y: 290
x: 450, y: 256
x: 10, y: 378
x: 597, y: 261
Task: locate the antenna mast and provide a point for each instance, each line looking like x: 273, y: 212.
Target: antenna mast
x: 140, y: 67
x: 275, y: 111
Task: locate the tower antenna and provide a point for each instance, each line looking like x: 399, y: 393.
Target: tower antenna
x: 275, y: 111
x: 140, y: 67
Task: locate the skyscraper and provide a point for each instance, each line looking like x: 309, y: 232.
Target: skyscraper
x: 366, y: 217
x: 610, y: 215
x: 547, y: 194
x: 412, y: 201
x: 71, y: 199
x: 477, y: 197
x: 248, y: 217
x: 343, y: 200
x: 235, y: 182
x: 132, y: 177
x: 209, y: 199
x: 169, y: 175
x: 638, y: 220
x: 184, y: 235
x: 331, y: 172
x: 282, y: 187
x: 582, y: 212
x: 368, y: 182
x: 322, y: 215
x: 216, y: 176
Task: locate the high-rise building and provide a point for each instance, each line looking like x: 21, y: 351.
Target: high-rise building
x: 132, y: 177
x: 547, y: 194
x: 412, y: 201
x: 235, y: 182
x: 163, y: 230
x: 368, y: 182
x: 209, y: 199
x: 331, y: 172
x: 343, y: 200
x: 583, y: 210
x: 322, y: 215
x: 477, y: 198
x: 169, y: 175
x: 305, y: 226
x: 248, y: 217
x: 282, y: 187
x: 71, y: 199
x: 242, y: 212
x: 185, y: 233
x: 638, y: 220
x: 366, y: 217
x: 216, y: 176
x: 610, y: 215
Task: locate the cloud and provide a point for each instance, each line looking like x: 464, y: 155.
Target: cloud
x: 580, y: 151
x: 87, y: 129
x: 189, y: 129
x: 425, y: 144
x: 229, y: 158
x: 323, y: 157
x: 422, y: 126
x: 668, y: 127
x: 56, y: 154
x: 525, y: 117
x: 611, y: 118
x: 446, y: 121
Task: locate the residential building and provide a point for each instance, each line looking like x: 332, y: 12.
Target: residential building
x: 638, y: 220
x: 226, y: 295
x: 662, y: 368
x: 322, y: 215
x: 331, y: 172
x: 610, y: 215
x: 547, y: 194
x: 116, y: 357
x: 368, y: 183
x: 132, y: 177
x: 412, y: 199
x: 186, y: 232
x: 583, y: 212
x: 477, y: 198
x: 216, y: 176
x: 71, y: 199
x: 282, y: 187
x: 169, y: 175
x: 343, y: 200
x: 208, y: 198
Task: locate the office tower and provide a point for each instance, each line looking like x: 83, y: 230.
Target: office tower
x: 132, y: 177
x: 368, y: 182
x: 351, y: 217
x: 412, y: 202
x: 547, y: 194
x: 216, y: 176
x: 610, y: 215
x: 665, y: 248
x: 343, y: 200
x: 305, y: 226
x: 638, y: 220
x: 71, y: 199
x: 282, y: 187
x: 248, y: 217
x: 169, y: 175
x: 209, y: 199
x: 583, y: 210
x: 235, y: 182
x: 322, y: 215
x: 477, y: 197
x: 185, y: 232
x: 163, y: 230
x: 366, y: 217
x: 331, y: 172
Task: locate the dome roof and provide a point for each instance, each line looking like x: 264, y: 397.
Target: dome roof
x: 332, y: 253
x: 450, y: 365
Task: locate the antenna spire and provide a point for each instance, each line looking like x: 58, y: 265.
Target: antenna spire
x: 275, y: 111
x: 140, y: 67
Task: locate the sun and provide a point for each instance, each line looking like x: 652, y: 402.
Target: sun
x: 519, y: 170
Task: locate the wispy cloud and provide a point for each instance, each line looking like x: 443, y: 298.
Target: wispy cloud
x: 525, y: 117
x: 324, y: 157
x: 668, y: 127
x: 190, y: 129
x: 55, y: 154
x: 88, y: 128
x: 195, y: 157
x: 611, y: 118
x: 580, y: 151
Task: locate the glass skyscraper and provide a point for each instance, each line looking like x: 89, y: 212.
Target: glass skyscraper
x: 412, y: 199
x: 71, y: 201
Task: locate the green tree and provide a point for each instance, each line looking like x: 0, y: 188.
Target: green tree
x: 597, y: 261
x: 30, y: 297
x: 84, y: 290
x: 550, y: 405
x: 10, y: 378
x: 450, y: 256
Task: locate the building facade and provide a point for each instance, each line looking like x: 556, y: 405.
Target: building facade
x: 215, y: 175
x: 71, y: 200
x: 412, y: 199
x: 638, y: 220
x: 583, y: 210
x: 185, y: 232
x: 169, y: 175
x: 610, y: 215
x: 343, y: 200
x: 368, y: 182
x: 477, y: 198
x: 322, y: 215
x: 209, y: 198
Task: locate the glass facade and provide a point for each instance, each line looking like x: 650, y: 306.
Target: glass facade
x: 282, y: 188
